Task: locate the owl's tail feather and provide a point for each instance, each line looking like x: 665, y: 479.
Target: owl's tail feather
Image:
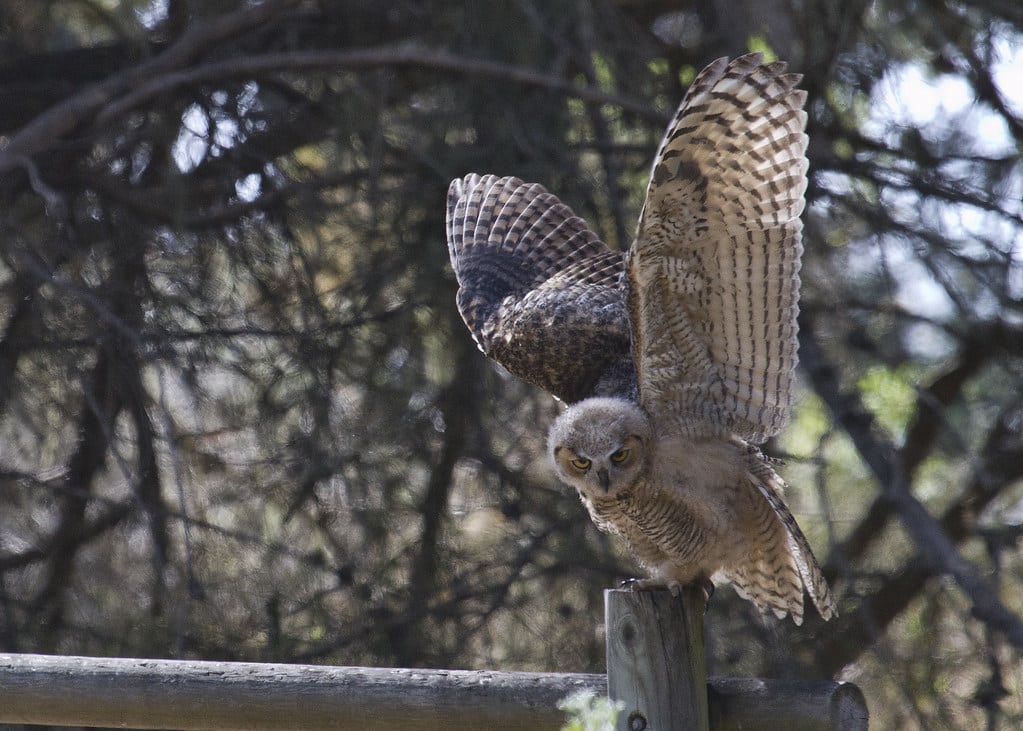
x: 777, y: 559
x: 800, y: 555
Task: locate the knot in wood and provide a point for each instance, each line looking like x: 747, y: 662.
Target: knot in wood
x: 637, y: 721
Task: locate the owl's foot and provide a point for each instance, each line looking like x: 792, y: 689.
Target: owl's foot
x: 647, y: 584
x: 671, y: 585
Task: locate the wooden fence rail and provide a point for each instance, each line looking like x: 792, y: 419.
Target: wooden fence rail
x: 224, y: 696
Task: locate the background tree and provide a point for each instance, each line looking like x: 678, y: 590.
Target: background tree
x: 239, y: 415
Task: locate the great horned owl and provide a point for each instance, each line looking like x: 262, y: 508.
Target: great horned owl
x: 677, y: 357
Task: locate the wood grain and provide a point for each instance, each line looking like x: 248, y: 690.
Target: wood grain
x: 655, y: 659
x: 214, y: 696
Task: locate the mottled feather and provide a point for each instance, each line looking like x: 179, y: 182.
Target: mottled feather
x: 801, y: 566
x: 714, y: 268
x: 539, y: 291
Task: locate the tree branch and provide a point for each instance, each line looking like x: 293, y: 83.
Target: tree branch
x: 920, y: 436
x: 66, y: 116
x: 935, y: 546
x: 412, y: 55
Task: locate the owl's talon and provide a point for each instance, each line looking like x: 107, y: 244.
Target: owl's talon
x: 671, y: 585
x: 650, y: 584
x: 708, y: 591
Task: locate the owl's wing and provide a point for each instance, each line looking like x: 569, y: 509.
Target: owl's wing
x: 540, y: 293
x: 714, y: 270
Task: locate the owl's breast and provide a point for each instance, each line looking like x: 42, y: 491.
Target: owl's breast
x: 605, y: 511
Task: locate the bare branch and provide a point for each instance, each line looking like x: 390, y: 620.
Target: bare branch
x: 413, y: 55
x: 62, y: 118
x: 936, y: 547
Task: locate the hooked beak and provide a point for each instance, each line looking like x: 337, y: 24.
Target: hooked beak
x: 604, y: 478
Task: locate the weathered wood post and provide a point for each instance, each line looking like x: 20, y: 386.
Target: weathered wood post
x: 655, y: 659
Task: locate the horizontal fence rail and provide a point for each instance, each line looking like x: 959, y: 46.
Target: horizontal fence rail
x: 214, y: 696
x: 226, y: 696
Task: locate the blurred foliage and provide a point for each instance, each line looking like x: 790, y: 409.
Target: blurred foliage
x: 241, y: 419
x: 589, y: 712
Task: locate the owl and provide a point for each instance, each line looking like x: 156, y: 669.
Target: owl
x: 676, y: 358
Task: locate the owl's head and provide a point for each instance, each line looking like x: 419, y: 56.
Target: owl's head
x: 599, y: 445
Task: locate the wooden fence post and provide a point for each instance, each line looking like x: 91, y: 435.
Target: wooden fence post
x: 655, y: 659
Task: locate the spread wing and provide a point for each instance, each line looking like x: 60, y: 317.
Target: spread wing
x: 540, y: 293
x: 714, y: 270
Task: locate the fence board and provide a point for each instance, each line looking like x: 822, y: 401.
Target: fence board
x: 224, y: 696
x: 227, y: 696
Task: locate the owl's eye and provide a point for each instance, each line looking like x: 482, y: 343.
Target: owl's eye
x: 621, y: 455
x: 581, y: 463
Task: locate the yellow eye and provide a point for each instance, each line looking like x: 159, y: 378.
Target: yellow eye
x: 621, y: 455
x: 581, y: 464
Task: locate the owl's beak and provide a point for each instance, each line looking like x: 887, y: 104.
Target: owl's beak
x: 603, y: 478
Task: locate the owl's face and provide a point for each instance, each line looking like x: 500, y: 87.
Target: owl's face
x: 600, y: 445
